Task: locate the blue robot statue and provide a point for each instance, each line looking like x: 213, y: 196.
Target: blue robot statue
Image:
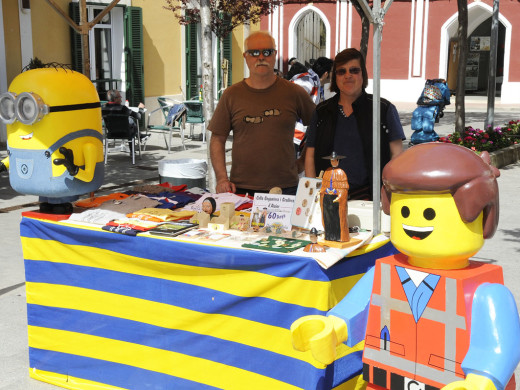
x: 435, y: 96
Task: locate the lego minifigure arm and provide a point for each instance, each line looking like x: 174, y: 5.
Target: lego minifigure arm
x: 494, y: 349
x: 472, y: 382
x: 322, y: 334
x: 319, y: 334
x: 353, y: 309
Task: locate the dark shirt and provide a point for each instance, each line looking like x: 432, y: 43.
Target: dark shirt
x: 116, y: 108
x: 348, y: 141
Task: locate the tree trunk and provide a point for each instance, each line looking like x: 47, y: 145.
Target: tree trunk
x: 207, y: 78
x: 462, y: 32
x: 365, y: 29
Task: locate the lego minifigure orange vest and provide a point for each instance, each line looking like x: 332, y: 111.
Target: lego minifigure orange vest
x: 418, y: 323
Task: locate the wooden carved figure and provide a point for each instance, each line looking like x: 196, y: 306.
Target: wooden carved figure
x: 314, y: 246
x: 209, y: 205
x: 333, y: 201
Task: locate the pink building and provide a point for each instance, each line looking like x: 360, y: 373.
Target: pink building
x: 419, y: 43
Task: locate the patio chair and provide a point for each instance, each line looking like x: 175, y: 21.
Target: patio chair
x: 195, y: 115
x: 173, y: 113
x: 119, y: 126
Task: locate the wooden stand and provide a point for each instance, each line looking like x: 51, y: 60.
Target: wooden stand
x: 339, y: 244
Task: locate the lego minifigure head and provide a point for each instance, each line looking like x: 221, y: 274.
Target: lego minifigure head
x: 443, y: 201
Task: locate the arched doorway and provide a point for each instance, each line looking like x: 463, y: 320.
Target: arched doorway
x: 477, y: 66
x: 311, y: 38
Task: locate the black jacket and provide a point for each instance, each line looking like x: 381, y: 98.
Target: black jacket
x: 114, y: 108
x: 327, y: 113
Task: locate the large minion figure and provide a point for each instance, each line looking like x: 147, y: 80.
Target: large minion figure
x: 430, y: 317
x: 54, y: 136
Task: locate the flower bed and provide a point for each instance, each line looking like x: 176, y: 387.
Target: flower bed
x: 490, y: 140
x: 502, y: 143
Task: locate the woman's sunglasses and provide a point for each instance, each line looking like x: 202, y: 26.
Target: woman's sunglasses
x: 352, y: 70
x: 256, y: 52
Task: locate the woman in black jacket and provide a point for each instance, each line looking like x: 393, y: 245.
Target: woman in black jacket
x: 343, y: 124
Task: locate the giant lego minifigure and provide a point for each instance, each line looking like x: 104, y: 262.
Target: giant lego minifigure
x: 54, y: 136
x: 430, y: 317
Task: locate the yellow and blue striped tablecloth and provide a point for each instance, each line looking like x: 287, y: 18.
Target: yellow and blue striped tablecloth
x: 112, y: 311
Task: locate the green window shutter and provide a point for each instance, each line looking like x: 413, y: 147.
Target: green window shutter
x: 134, y: 55
x: 192, y: 87
x: 75, y: 39
x: 227, y: 55
x: 224, y: 53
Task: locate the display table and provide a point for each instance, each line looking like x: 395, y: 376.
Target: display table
x: 112, y: 311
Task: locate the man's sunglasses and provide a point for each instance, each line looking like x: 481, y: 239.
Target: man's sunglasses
x: 352, y: 70
x: 256, y: 52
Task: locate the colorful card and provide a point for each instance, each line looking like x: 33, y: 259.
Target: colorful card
x: 306, y: 213
x: 271, y: 213
x: 277, y: 244
x: 204, y: 235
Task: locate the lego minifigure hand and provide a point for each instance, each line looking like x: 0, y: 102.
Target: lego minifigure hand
x: 319, y: 334
x: 472, y: 382
x: 67, y: 161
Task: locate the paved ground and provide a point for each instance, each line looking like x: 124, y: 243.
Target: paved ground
x: 503, y: 248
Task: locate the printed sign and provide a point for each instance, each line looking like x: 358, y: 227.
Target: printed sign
x: 271, y: 213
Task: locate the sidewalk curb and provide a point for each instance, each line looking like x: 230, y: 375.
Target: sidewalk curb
x: 501, y: 158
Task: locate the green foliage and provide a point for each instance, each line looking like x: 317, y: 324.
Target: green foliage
x: 489, y: 140
x: 512, y: 128
x: 225, y: 14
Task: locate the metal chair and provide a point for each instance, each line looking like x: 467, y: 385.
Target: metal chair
x: 195, y: 115
x: 173, y: 113
x: 119, y: 126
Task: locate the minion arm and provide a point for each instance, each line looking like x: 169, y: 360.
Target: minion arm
x: 4, y: 164
x: 67, y: 161
x: 90, y: 153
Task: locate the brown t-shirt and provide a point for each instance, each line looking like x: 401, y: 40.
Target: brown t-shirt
x: 262, y: 121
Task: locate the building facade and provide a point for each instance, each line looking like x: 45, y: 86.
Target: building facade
x: 141, y: 49
x: 418, y: 42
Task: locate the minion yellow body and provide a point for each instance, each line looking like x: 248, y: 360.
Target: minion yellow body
x: 54, y: 134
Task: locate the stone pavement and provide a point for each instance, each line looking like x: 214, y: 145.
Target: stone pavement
x: 503, y: 248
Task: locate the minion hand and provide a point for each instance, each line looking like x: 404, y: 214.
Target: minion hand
x: 472, y: 382
x: 319, y: 334
x: 2, y: 167
x: 68, y: 161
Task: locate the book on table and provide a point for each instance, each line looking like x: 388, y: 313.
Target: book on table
x: 172, y: 229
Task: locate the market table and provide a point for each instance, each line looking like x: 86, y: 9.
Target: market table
x: 111, y: 311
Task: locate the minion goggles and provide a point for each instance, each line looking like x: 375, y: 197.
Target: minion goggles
x: 29, y: 108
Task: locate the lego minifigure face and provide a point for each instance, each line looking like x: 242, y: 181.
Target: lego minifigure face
x: 429, y: 229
